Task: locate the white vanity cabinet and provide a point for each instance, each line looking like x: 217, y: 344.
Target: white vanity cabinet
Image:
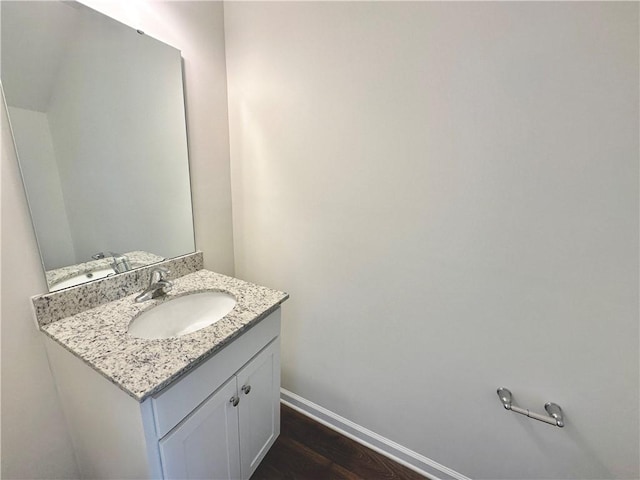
x: 228, y: 435
x: 216, y: 422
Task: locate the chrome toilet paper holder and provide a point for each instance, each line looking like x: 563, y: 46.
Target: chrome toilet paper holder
x: 554, y: 412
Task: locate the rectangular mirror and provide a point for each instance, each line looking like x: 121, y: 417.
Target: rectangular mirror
x: 98, y: 118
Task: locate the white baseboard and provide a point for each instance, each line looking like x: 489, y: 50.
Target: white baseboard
x: 384, y: 446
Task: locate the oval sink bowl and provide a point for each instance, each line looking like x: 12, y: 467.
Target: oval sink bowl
x: 182, y: 315
x: 82, y: 278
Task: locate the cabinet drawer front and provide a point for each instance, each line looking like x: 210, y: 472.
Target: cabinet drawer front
x: 179, y: 399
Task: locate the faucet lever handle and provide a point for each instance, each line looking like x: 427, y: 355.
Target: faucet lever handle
x: 158, y: 284
x: 163, y: 271
x: 159, y: 273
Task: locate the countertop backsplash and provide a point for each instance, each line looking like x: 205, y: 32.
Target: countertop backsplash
x: 51, y: 307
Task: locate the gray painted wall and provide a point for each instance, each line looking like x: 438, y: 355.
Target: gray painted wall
x: 35, y: 442
x: 449, y: 192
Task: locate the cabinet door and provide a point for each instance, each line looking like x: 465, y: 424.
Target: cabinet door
x: 259, y: 407
x: 205, y: 444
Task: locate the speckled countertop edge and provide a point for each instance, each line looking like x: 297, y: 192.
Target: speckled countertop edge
x: 144, y: 367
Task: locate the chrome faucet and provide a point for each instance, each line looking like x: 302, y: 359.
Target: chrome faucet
x: 158, y: 285
x: 120, y: 262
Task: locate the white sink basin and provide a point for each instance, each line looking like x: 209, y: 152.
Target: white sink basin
x: 82, y: 278
x: 182, y: 315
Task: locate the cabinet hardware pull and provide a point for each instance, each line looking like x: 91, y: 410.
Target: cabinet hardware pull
x: 246, y: 389
x: 235, y: 400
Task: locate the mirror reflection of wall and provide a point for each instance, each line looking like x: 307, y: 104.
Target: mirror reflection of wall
x: 97, y: 112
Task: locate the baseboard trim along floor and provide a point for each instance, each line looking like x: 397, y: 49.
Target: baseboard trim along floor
x: 372, y: 440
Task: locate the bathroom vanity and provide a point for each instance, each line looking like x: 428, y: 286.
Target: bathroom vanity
x: 201, y: 405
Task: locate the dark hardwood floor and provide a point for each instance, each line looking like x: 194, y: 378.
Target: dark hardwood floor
x: 307, y: 450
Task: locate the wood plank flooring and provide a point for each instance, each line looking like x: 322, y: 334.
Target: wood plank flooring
x: 307, y: 450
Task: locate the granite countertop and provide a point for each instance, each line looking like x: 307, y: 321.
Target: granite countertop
x: 143, y: 367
